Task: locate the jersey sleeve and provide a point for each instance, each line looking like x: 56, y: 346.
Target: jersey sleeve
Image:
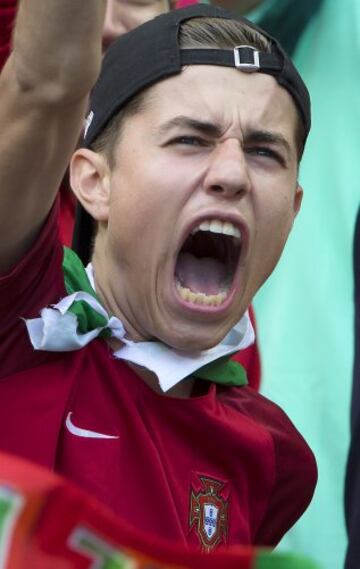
x: 7, y: 19
x: 294, y: 481
x: 35, y: 282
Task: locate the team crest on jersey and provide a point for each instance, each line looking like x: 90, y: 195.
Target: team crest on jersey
x: 209, y: 512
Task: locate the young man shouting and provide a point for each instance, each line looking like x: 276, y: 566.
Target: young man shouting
x: 118, y: 376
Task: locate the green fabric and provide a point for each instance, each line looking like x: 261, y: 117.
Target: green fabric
x: 76, y: 279
x: 283, y: 561
x: 222, y: 371
x: 305, y: 311
x: 75, y: 276
x: 225, y: 371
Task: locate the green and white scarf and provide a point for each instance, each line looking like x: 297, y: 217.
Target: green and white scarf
x: 80, y: 317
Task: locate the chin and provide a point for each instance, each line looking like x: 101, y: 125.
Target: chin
x: 194, y: 341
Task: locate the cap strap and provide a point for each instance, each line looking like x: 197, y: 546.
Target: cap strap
x: 243, y: 57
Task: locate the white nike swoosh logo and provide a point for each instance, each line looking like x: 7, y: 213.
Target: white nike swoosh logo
x: 74, y: 430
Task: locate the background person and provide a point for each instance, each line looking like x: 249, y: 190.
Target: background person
x: 352, y: 487
x: 124, y: 15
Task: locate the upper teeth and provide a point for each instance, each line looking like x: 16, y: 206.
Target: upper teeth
x: 217, y: 226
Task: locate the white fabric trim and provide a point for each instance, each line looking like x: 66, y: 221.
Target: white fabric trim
x: 171, y: 366
x: 56, y: 330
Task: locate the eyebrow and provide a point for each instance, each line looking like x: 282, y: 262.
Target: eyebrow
x: 182, y: 121
x: 253, y: 136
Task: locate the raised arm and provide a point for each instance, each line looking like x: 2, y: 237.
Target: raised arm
x: 43, y: 92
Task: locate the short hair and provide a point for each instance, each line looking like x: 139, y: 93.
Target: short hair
x: 196, y: 33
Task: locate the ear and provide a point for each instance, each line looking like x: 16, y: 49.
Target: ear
x: 298, y: 199
x: 90, y: 181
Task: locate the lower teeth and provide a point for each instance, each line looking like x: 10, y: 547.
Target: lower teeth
x: 200, y: 297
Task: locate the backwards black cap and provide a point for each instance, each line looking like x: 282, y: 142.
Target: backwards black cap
x: 151, y: 53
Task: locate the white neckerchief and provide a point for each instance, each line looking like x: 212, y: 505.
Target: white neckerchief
x: 56, y: 330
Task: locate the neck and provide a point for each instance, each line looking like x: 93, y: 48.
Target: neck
x: 183, y: 390
x: 189, y: 387
x: 119, y: 309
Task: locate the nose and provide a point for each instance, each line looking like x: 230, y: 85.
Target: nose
x: 113, y: 23
x: 228, y: 173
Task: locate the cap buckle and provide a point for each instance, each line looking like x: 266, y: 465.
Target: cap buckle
x: 246, y: 58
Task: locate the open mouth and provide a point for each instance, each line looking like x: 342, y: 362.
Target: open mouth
x: 207, y: 263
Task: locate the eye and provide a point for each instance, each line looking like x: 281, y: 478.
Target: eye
x: 267, y: 153
x: 189, y: 140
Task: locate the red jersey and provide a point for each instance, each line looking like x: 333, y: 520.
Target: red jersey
x: 227, y: 467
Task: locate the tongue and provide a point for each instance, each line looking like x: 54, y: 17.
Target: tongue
x: 200, y: 274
